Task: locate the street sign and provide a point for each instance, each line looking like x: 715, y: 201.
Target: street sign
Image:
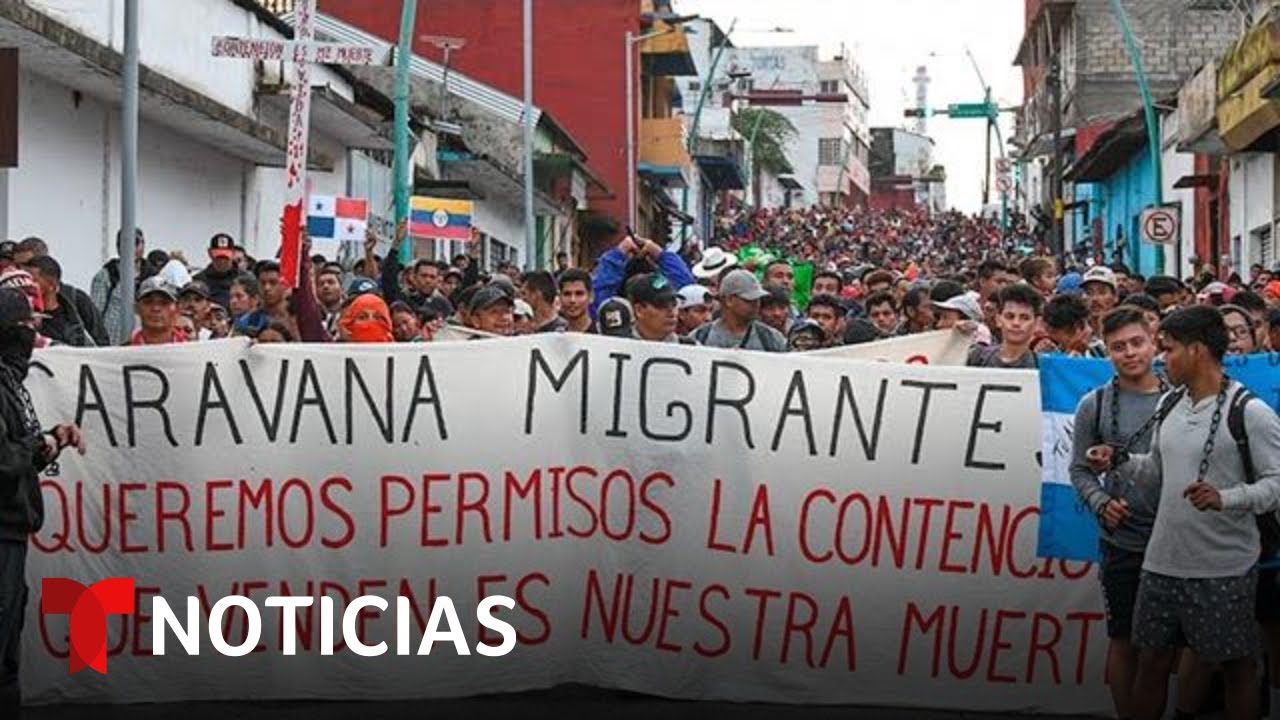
x: 1004, y: 166
x: 971, y: 110
x: 1004, y: 184
x: 1160, y: 225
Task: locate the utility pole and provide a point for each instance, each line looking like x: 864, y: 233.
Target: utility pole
x: 402, y: 183
x: 531, y: 259
x: 127, y: 238
x: 1057, y: 239
x: 1152, y: 122
x: 986, y: 182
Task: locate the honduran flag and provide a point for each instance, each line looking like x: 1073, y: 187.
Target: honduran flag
x: 440, y: 218
x: 1067, y: 529
x: 339, y: 219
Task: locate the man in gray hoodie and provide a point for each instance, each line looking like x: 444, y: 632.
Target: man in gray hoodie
x: 1119, y: 414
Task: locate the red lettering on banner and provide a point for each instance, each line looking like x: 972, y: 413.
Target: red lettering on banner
x: 332, y: 506
x: 262, y: 501
x: 763, y: 597
x: 949, y: 632
x: 669, y: 612
x: 179, y: 515
x: 609, y: 481
x: 309, y: 516
x: 522, y: 601
x: 653, y: 507
x: 998, y: 645
x: 530, y: 489
x: 475, y: 506
x: 819, y: 494
x: 704, y: 611
x: 385, y: 509
x: 212, y: 511
x: 127, y: 517
x: 950, y: 534
x: 712, y: 543
x: 581, y: 502
x: 759, y: 518
x: 140, y: 620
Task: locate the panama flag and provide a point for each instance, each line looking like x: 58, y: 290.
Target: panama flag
x: 440, y: 218
x: 335, y: 220
x: 1067, y: 529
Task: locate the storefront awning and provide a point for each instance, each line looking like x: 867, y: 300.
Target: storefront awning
x: 721, y: 173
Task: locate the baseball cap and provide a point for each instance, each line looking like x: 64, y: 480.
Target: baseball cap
x: 156, y: 284
x: 650, y: 289
x: 15, y: 309
x: 523, y: 309
x: 361, y: 286
x: 968, y: 304
x: 195, y: 287
x: 435, y: 307
x: 488, y: 296
x: 221, y: 245
x: 691, y: 296
x: 615, y: 317
x: 776, y: 297
x: 742, y: 284
x: 1070, y: 284
x: 1100, y: 274
x: 805, y: 326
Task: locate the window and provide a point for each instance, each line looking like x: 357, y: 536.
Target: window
x: 829, y: 87
x: 830, y: 151
x: 746, y: 85
x: 695, y: 86
x: 1266, y: 249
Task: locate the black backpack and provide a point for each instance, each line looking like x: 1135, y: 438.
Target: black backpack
x: 1268, y: 522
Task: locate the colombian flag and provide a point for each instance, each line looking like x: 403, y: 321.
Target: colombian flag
x: 440, y: 218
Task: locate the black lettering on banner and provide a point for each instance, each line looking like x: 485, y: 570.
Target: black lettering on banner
x: 271, y: 426
x: 619, y: 359
x: 308, y: 377
x: 978, y: 425
x: 426, y: 375
x: 928, y: 388
x: 673, y: 408
x: 538, y: 362
x: 794, y: 391
x: 212, y: 384
x: 869, y: 445
x: 384, y: 419
x: 132, y: 404
x: 89, y: 384
x: 714, y: 399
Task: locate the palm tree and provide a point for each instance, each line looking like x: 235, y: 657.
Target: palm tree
x: 768, y: 132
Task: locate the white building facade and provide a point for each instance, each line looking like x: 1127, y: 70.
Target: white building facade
x: 210, y: 140
x: 827, y: 102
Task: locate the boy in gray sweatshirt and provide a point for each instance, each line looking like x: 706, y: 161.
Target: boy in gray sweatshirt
x: 1199, y: 576
x: 1120, y: 414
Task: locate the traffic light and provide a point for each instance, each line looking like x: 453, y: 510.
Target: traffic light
x: 918, y: 112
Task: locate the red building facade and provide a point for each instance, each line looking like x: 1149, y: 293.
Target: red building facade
x: 578, y: 61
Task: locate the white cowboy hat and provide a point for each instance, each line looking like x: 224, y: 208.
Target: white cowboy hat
x: 713, y: 262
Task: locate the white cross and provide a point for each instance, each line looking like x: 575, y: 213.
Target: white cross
x: 302, y: 51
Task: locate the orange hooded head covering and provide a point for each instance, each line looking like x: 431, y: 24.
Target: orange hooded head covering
x: 367, y: 320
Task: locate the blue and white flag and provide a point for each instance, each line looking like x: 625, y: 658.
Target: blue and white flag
x: 1067, y: 529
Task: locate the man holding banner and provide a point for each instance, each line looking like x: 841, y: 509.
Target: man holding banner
x: 1119, y: 415
x: 1200, y: 576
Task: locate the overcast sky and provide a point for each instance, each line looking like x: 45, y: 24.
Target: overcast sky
x: 889, y: 38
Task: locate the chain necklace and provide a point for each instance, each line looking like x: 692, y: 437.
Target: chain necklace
x: 1115, y: 415
x: 1213, y: 429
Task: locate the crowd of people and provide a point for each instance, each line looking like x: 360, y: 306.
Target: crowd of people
x: 1180, y: 549
x: 870, y: 275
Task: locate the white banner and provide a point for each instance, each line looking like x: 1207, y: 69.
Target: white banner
x: 939, y: 347
x: 685, y: 522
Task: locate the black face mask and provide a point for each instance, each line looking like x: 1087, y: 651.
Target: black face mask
x: 16, y: 345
